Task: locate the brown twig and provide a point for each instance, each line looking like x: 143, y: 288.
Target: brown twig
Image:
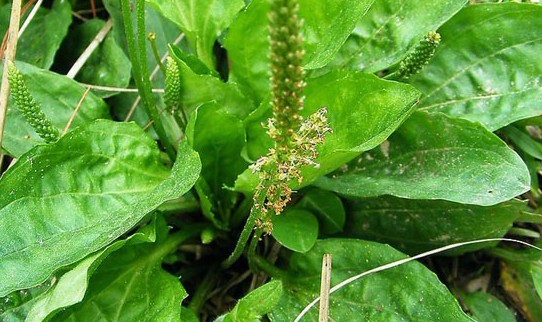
x: 11, y: 48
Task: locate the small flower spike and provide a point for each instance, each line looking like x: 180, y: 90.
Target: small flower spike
x: 417, y: 59
x: 30, y: 109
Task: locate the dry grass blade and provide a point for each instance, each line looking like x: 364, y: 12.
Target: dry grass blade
x: 325, y: 284
x: 75, y: 111
x: 90, y: 49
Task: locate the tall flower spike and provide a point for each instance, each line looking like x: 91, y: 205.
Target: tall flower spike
x: 296, y: 140
x: 417, y: 59
x: 30, y: 109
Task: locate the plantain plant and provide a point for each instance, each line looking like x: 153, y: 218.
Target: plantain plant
x: 208, y: 154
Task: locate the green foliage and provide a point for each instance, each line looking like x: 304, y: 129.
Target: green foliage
x: 341, y: 114
x: 41, y: 40
x: 384, y: 295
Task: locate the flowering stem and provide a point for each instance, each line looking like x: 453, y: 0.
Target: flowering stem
x: 255, y: 213
x: 138, y: 56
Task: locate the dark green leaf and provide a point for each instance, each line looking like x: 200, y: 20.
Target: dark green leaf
x: 295, y: 229
x: 218, y: 137
x: 256, y: 303
x: 523, y: 141
x: 390, y: 29
x: 363, y: 111
x: 326, y: 26
x: 72, y: 286
x: 133, y: 278
x: 41, y: 40
x: 327, y: 206
x: 487, y: 67
x: 201, y: 21
x: 410, y: 292
x: 517, y: 280
x: 75, y: 196
x: 433, y: 156
x: 15, y: 306
x: 486, y: 307
x: 198, y: 88
x: 536, y: 272
x: 415, y: 226
x: 58, y: 97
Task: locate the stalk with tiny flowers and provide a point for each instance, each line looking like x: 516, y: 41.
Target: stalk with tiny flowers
x: 295, y: 140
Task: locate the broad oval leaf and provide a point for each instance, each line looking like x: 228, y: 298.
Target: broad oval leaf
x: 327, y: 24
x: 486, y: 307
x: 416, y: 226
x: 58, y: 96
x: 410, y: 292
x: 201, y: 21
x: 296, y: 229
x: 390, y: 29
x: 487, y: 67
x: 107, y: 66
x: 433, y: 156
x: 327, y: 206
x: 363, y: 110
x: 63, y: 201
x: 71, y: 287
x: 200, y: 87
x: 256, y: 303
x: 133, y: 276
x: 41, y: 40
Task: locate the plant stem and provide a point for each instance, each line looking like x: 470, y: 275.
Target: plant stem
x: 9, y: 56
x: 269, y: 268
x: 151, y: 36
x: 206, y: 286
x: 251, y: 253
x: 138, y: 56
x: 245, y: 234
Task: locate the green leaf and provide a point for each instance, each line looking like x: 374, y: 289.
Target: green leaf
x: 296, y: 229
x: 132, y: 276
x: 72, y: 286
x: 58, y: 97
x: 218, y: 137
x: 41, y: 40
x: 390, y: 29
x: 75, y: 196
x: 415, y: 226
x: 517, y: 280
x: 410, y: 292
x: 327, y: 206
x: 198, y: 88
x: 256, y: 303
x: 523, y: 141
x: 363, y: 110
x: 536, y: 272
x: 107, y: 66
x: 486, y: 307
x: 326, y: 26
x: 486, y: 68
x: 201, y: 21
x: 433, y: 156
x: 15, y: 306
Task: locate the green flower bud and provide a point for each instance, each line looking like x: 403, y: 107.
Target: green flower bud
x: 417, y: 59
x: 30, y: 109
x: 173, y: 85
